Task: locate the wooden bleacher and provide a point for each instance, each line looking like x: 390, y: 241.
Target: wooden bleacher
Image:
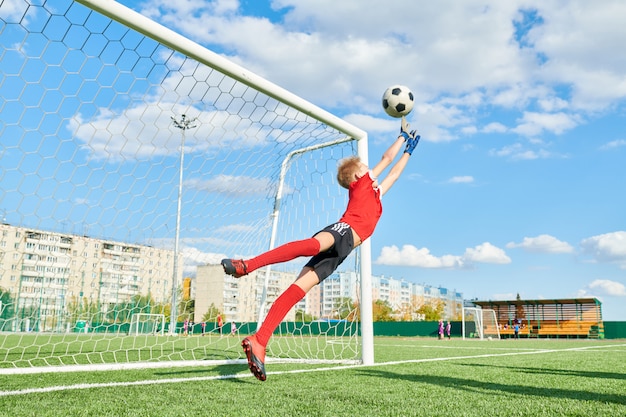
x: 560, y: 318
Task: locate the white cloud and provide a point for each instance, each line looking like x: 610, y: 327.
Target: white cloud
x: 468, y: 57
x: 231, y: 185
x: 410, y: 255
x: 542, y: 244
x: 382, y: 130
x: 140, y: 132
x: 494, y: 127
x: 507, y: 151
x: 517, y: 151
x: 437, y: 121
x: 504, y: 296
x: 195, y: 257
x: 486, y: 253
x: 570, y: 43
x: 608, y: 247
x: 14, y: 10
x: 552, y: 104
x: 469, y: 130
x: 532, y: 123
x: 613, y: 144
x: 608, y: 287
x: 462, y: 179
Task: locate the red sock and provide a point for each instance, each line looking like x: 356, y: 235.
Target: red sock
x: 278, y: 311
x: 284, y: 253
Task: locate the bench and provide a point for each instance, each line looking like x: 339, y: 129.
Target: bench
x: 569, y: 328
x: 552, y: 328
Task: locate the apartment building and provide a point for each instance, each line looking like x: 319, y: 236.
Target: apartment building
x: 46, y: 273
x: 239, y: 298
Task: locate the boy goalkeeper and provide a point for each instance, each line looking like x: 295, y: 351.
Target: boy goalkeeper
x: 330, y: 246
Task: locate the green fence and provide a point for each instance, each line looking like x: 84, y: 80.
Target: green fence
x: 615, y: 329
x: 413, y: 328
x: 612, y: 329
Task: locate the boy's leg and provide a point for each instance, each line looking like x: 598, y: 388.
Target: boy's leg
x: 321, y: 242
x: 284, y: 253
x: 278, y: 311
x: 254, y: 346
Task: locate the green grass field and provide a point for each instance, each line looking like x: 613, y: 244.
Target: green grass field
x: 412, y: 377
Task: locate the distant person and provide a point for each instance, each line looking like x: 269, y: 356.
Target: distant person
x: 233, y: 328
x: 220, y: 323
x: 516, y: 330
x: 440, y: 330
x: 448, y: 329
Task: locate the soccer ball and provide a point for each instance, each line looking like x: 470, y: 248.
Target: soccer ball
x: 398, y: 101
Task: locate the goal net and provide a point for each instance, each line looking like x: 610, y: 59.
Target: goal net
x: 132, y: 161
x: 480, y: 323
x: 145, y: 323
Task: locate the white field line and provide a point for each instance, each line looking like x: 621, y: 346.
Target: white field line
x: 471, y: 348
x: 118, y: 366
x: 298, y: 371
x: 155, y: 365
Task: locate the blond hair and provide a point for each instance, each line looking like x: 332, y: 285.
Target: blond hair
x: 347, y: 169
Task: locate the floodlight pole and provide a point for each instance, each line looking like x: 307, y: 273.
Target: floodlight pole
x: 183, y: 124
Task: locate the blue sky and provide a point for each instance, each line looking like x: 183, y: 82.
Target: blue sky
x: 517, y: 186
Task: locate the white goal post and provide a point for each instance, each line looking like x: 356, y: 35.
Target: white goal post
x: 479, y: 323
x: 132, y: 158
x: 146, y: 323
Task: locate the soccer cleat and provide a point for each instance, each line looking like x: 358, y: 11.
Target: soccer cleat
x: 235, y: 267
x: 256, y: 357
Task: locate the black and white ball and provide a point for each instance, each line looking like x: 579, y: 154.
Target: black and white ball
x: 398, y: 101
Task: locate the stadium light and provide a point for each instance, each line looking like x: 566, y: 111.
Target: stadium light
x: 183, y: 124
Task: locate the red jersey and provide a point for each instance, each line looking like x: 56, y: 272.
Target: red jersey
x: 364, y: 207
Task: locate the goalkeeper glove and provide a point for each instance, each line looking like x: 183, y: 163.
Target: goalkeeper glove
x: 411, y: 142
x: 404, y: 129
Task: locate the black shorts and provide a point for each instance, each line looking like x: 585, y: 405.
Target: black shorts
x: 325, y: 263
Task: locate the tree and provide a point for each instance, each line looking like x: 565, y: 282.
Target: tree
x: 382, y: 311
x: 409, y: 311
x: 303, y: 317
x: 520, y: 313
x: 187, y: 309
x: 343, y: 308
x: 7, y: 307
x: 432, y: 311
x: 355, y: 314
x: 212, y: 313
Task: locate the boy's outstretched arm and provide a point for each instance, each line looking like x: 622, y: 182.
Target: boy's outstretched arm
x: 391, y: 153
x: 411, y: 142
